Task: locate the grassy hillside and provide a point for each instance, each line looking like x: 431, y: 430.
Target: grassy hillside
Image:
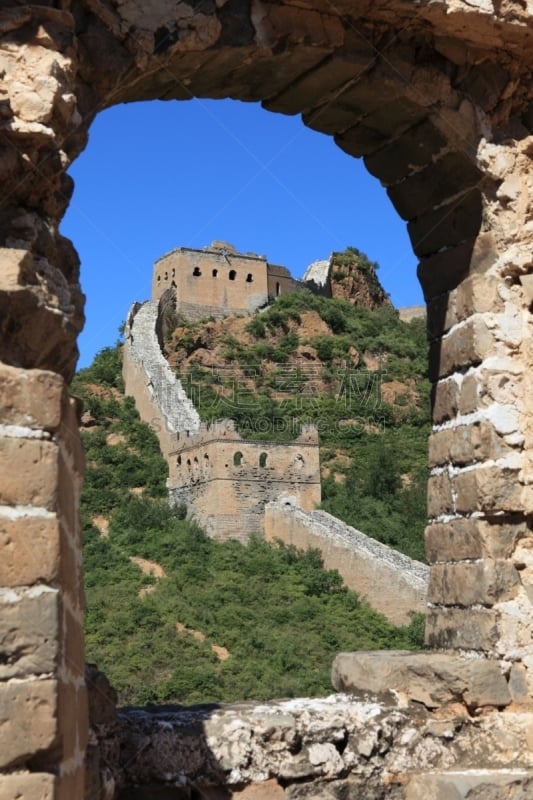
x: 204, y: 621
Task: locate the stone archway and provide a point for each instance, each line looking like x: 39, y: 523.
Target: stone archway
x: 436, y: 96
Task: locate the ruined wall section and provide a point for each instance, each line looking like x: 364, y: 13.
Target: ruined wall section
x: 159, y: 396
x: 226, y: 480
x: 389, y: 581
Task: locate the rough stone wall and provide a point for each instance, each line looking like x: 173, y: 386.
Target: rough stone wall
x: 438, y: 99
x: 43, y: 713
x: 333, y: 748
x: 225, y: 480
x: 389, y: 581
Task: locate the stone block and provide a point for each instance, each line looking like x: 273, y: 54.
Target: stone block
x: 73, y: 647
x: 30, y: 549
x: 359, y: 140
x: 441, y: 316
x: 479, y: 784
x: 440, y: 499
x: 30, y: 398
x: 483, y: 582
x: 28, y: 786
x: 477, y: 293
x: 462, y: 628
x: 433, y: 679
x: 444, y: 401
x: 447, y: 226
x: 29, y: 632
x: 392, y: 118
x: 29, y: 469
x: 73, y: 719
x: 465, y: 346
x: 307, y: 91
x: 28, y: 720
x: 518, y: 687
x: 466, y: 538
x: 451, y: 174
x: 466, y: 444
x: 413, y: 149
x: 488, y: 489
x: 444, y: 271
x: 269, y: 790
x: 469, y: 394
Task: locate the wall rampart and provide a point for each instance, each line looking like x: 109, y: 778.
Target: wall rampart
x: 389, y: 581
x: 159, y: 396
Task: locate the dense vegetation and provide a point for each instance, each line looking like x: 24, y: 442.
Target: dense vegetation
x: 373, y: 452
x: 277, y: 614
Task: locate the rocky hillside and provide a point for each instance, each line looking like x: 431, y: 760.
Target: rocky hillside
x: 354, y: 278
x: 357, y: 372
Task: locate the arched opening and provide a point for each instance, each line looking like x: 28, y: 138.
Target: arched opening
x: 237, y: 459
x: 249, y: 278
x: 196, y: 272
x: 263, y: 458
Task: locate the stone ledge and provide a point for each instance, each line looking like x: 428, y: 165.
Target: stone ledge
x: 472, y: 785
x: 432, y: 679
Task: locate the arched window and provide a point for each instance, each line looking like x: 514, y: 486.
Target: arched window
x: 196, y: 272
x: 215, y: 273
x: 179, y: 461
x: 249, y: 278
x: 166, y: 276
x: 232, y: 274
x: 263, y: 459
x: 237, y: 459
x: 189, y: 463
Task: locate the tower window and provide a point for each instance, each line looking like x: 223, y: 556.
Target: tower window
x: 215, y: 273
x: 263, y: 459
x: 249, y: 278
x: 277, y: 288
x: 232, y: 274
x: 196, y: 272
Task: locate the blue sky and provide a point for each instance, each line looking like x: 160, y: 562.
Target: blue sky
x: 161, y: 175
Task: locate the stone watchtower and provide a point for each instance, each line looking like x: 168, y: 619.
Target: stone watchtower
x: 218, y: 281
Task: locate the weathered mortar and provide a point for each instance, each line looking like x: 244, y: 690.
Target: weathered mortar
x: 438, y: 98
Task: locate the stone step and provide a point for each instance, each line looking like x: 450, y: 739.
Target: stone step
x: 471, y: 785
x: 433, y: 679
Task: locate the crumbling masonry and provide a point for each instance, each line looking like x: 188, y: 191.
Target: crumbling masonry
x: 437, y: 96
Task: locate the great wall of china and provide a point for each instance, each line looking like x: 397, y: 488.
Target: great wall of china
x: 226, y: 481
x: 438, y: 99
